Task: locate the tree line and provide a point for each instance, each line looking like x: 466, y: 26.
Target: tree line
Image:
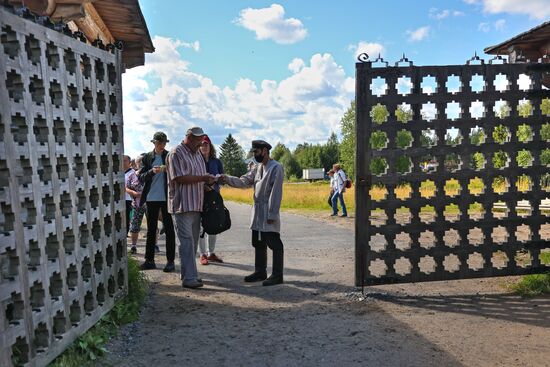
x: 307, y: 155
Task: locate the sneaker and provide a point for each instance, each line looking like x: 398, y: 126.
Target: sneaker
x: 148, y: 265
x: 214, y: 258
x: 203, y: 260
x: 133, y: 250
x: 344, y: 215
x: 191, y: 284
x: 255, y: 277
x: 170, y: 267
x: 157, y: 249
x: 273, y: 280
x: 334, y: 215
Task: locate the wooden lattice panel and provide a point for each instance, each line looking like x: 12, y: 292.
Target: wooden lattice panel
x: 452, y: 172
x: 62, y: 235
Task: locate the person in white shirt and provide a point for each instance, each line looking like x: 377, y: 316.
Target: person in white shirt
x: 338, y: 185
x: 128, y: 170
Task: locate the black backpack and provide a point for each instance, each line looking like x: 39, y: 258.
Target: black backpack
x: 215, y: 217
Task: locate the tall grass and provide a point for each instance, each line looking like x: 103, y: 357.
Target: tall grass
x: 303, y: 196
x: 313, y: 196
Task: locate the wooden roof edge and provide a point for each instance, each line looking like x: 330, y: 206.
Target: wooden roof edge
x: 496, y: 49
x: 148, y: 46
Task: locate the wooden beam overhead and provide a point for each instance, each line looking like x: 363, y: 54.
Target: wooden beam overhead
x: 93, y: 26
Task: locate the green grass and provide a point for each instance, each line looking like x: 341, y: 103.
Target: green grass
x: 91, y: 345
x: 533, y: 285
x: 536, y: 284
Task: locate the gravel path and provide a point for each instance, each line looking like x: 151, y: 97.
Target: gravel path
x: 317, y: 318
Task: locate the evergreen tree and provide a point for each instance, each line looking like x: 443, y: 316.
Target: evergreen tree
x: 330, y: 152
x: 278, y: 152
x: 232, y: 157
x: 347, y: 146
x: 290, y: 165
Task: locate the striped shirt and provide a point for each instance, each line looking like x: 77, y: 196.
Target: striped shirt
x: 184, y: 198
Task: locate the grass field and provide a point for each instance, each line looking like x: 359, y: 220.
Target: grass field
x: 313, y: 196
x: 303, y: 196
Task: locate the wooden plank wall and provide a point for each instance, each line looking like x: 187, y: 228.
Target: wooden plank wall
x: 62, y: 227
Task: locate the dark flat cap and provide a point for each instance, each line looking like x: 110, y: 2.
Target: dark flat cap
x: 260, y: 144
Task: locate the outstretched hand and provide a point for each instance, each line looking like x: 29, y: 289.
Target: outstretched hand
x: 209, y: 179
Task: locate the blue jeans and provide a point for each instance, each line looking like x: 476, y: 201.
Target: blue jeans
x: 334, y: 199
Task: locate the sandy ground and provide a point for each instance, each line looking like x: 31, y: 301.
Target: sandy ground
x: 318, y: 318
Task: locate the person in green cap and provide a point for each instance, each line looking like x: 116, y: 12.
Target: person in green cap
x: 155, y: 190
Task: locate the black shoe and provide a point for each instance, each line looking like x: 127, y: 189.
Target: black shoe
x: 255, y: 277
x: 344, y: 215
x: 133, y: 250
x: 148, y: 265
x: 273, y: 280
x: 169, y: 267
x: 162, y: 231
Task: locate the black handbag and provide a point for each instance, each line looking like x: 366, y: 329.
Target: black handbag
x: 330, y: 200
x: 215, y: 217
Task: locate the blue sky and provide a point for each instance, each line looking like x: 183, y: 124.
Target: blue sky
x: 283, y: 71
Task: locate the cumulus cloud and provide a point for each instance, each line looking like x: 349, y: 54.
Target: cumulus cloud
x: 296, y: 65
x: 373, y: 49
x: 305, y: 106
x: 418, y: 34
x: 536, y: 9
x: 270, y: 23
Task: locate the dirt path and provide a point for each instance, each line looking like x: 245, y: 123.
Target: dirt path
x: 318, y: 319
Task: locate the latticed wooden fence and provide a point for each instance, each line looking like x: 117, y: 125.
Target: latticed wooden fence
x: 62, y: 239
x: 458, y: 158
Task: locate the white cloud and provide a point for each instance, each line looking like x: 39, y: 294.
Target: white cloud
x: 435, y: 13
x: 306, y: 106
x: 537, y: 9
x: 486, y: 27
x: 418, y: 34
x: 270, y: 23
x: 500, y: 24
x: 193, y: 45
x: 296, y: 65
x: 372, y: 49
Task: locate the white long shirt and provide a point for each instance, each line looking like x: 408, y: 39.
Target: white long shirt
x: 268, y: 193
x: 339, y: 181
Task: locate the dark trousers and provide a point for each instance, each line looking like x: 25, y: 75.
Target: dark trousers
x: 153, y: 209
x: 261, y: 241
x: 128, y: 211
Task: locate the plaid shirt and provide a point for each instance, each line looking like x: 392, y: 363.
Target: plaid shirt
x: 184, y: 198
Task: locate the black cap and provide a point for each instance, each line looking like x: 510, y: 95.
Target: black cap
x: 160, y: 137
x: 260, y: 144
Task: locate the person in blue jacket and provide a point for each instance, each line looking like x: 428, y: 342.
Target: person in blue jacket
x: 214, y: 166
